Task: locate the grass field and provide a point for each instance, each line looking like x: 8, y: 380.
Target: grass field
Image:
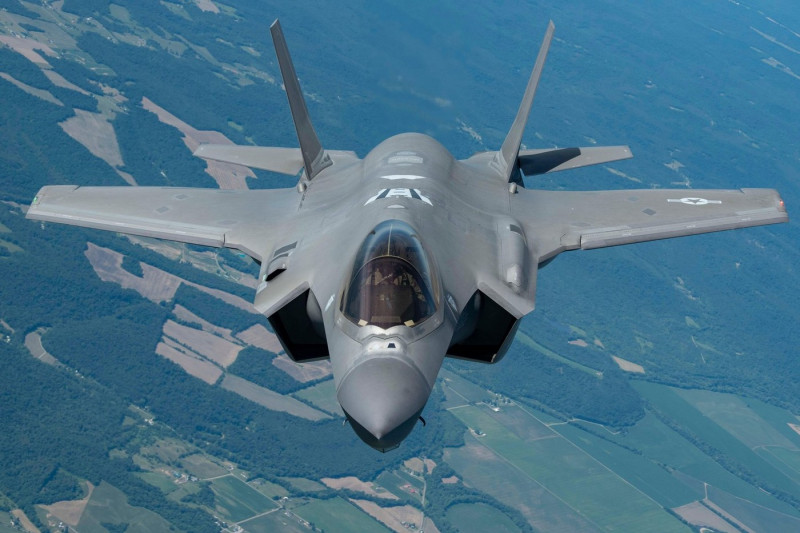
x: 673, y: 404
x: 303, y: 484
x: 275, y: 521
x: 639, y: 471
x: 778, y: 418
x: 573, y: 476
x: 756, y: 517
x: 450, y: 398
x: 159, y: 479
x: 110, y: 505
x: 322, y: 396
x: 787, y: 461
x: 478, y: 518
x: 464, y: 389
x: 524, y: 425
x: 481, y: 467
x: 167, y: 450
x: 201, y: 466
x: 401, y: 484
x: 338, y: 516
x: 237, y: 500
x: 5, y: 518
x: 661, y: 444
x: 268, y: 488
x: 735, y: 417
x: 184, y: 490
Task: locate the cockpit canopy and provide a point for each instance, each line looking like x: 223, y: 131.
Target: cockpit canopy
x: 392, y: 282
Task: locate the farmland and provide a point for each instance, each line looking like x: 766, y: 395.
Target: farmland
x: 574, y: 477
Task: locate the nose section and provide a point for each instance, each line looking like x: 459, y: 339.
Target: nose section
x: 383, y: 398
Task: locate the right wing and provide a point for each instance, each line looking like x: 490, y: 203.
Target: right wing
x: 247, y: 220
x: 556, y: 221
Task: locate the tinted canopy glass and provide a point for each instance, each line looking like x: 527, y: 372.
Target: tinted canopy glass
x: 392, y: 282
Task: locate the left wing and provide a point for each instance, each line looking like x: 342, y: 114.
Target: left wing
x: 556, y: 221
x: 248, y: 220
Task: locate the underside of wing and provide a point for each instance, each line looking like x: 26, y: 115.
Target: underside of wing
x: 556, y: 221
x: 242, y: 219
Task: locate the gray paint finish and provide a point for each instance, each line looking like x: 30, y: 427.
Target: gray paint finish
x: 483, y: 237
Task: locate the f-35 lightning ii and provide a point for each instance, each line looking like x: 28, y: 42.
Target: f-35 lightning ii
x: 388, y: 264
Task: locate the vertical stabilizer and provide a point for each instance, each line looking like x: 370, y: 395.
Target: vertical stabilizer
x: 505, y: 161
x: 314, y: 157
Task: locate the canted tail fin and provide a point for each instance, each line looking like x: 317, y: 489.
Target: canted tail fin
x: 505, y: 161
x: 315, y: 159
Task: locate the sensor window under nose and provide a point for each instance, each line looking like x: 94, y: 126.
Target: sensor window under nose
x: 391, y: 281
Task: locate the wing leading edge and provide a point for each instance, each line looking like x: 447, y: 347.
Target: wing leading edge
x: 556, y: 221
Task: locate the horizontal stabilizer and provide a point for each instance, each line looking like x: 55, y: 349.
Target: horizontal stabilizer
x: 532, y: 162
x: 281, y: 160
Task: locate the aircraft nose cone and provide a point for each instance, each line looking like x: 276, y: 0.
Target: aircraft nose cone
x: 382, y: 398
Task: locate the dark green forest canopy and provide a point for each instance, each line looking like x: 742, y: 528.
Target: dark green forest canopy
x: 59, y: 426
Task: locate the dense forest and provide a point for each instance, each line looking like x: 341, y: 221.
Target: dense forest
x: 59, y: 426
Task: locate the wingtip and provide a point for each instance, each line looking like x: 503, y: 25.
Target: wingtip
x: 275, y: 23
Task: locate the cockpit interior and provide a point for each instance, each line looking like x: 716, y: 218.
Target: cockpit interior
x: 392, y: 282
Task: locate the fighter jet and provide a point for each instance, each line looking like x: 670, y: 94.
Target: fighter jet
x: 388, y: 264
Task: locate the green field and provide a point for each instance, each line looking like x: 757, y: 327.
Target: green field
x: 5, y: 518
x: 757, y: 517
x: 479, y: 517
x: 573, y: 476
x: 401, y: 484
x: 639, y: 471
x: 184, y: 490
x: 161, y: 480
x: 541, y: 416
x: 303, y: 484
x: 237, y: 500
x: 735, y: 416
x: 338, y: 516
x: 167, y: 450
x: 672, y: 403
x: 480, y: 467
x: 525, y: 425
x: 271, y: 522
x: 449, y: 397
x: 201, y: 466
x: 110, y: 505
x: 323, y: 396
x: 464, y: 389
x: 787, y: 461
x: 269, y: 489
x: 778, y: 418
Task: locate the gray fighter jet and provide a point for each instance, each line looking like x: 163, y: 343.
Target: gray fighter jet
x: 388, y: 264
